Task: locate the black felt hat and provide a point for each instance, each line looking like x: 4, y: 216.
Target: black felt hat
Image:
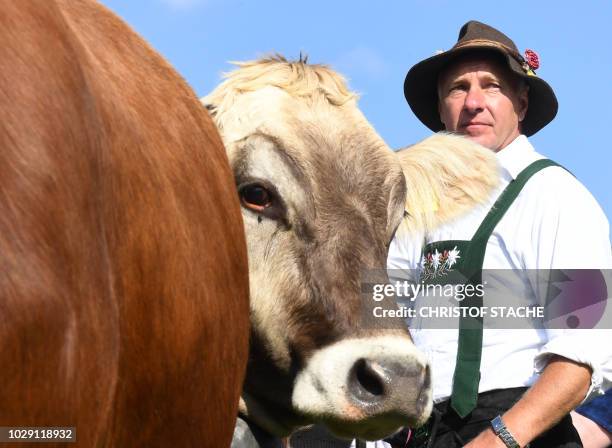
x: 421, y: 84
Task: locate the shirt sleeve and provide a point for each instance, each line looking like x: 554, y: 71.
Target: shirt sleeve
x: 405, y: 256
x: 571, y: 232
x: 587, y: 347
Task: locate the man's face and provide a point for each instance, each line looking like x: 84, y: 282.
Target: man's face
x: 480, y: 98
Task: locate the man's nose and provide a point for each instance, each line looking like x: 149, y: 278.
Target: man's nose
x: 474, y: 100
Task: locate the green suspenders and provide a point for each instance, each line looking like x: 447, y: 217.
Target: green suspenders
x: 469, y: 351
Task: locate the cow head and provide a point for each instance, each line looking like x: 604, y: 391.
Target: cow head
x: 321, y: 196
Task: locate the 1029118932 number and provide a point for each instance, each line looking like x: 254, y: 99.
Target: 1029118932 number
x: 8, y: 434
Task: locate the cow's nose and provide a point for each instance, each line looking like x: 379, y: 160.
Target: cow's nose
x: 372, y: 381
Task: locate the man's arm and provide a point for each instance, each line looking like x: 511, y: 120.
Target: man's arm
x: 561, y: 387
x: 571, y: 231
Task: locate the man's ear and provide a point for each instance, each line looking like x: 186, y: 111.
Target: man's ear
x: 523, y: 102
x: 440, y: 113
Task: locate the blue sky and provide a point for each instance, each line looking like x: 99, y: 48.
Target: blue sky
x: 374, y: 43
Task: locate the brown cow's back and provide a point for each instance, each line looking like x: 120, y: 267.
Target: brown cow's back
x: 123, y: 288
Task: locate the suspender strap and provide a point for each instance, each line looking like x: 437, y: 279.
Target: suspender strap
x: 478, y: 244
x: 469, y: 351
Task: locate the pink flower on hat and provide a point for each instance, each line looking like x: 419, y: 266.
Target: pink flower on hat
x: 532, y: 59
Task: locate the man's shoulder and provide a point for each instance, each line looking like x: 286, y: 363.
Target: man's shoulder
x: 551, y: 178
x: 555, y: 196
x: 559, y: 184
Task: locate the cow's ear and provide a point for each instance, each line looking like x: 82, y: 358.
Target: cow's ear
x: 446, y: 176
x: 210, y: 105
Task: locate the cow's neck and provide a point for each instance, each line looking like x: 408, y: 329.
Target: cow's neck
x: 257, y: 413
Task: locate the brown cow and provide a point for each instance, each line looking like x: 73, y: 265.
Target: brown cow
x: 123, y: 269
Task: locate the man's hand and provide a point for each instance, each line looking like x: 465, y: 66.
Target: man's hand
x: 561, y: 387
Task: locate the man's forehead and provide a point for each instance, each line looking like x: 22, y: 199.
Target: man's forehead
x: 465, y: 66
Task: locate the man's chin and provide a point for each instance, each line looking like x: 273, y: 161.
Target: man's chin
x: 483, y: 139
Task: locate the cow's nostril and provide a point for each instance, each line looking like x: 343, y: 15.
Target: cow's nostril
x: 366, y: 380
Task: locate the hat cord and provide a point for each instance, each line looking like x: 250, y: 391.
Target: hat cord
x: 490, y: 43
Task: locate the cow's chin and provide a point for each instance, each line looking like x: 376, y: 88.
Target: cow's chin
x: 376, y: 429
x: 287, y: 421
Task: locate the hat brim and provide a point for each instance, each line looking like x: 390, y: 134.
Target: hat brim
x: 421, y: 91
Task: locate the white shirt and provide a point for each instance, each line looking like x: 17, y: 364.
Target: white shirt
x: 554, y: 223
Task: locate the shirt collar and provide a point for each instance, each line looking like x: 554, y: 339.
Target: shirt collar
x: 516, y: 156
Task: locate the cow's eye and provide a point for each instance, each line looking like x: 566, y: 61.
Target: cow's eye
x: 256, y: 197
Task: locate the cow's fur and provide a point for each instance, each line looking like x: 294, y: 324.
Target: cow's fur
x: 123, y: 270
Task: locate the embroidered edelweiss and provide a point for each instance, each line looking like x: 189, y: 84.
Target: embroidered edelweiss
x: 453, y: 255
x: 437, y: 264
x: 435, y: 260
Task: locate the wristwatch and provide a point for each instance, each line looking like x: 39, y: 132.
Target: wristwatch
x: 499, y: 428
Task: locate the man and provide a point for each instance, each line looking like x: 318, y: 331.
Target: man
x: 542, y: 218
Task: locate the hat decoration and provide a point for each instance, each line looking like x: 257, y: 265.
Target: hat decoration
x: 532, y: 62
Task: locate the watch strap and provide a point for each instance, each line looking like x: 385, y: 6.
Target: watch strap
x: 499, y: 428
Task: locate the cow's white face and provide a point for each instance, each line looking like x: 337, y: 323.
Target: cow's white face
x: 321, y: 197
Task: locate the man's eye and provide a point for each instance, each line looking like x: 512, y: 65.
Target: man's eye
x: 457, y: 89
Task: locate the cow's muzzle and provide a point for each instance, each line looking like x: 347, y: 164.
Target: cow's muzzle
x: 366, y: 387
